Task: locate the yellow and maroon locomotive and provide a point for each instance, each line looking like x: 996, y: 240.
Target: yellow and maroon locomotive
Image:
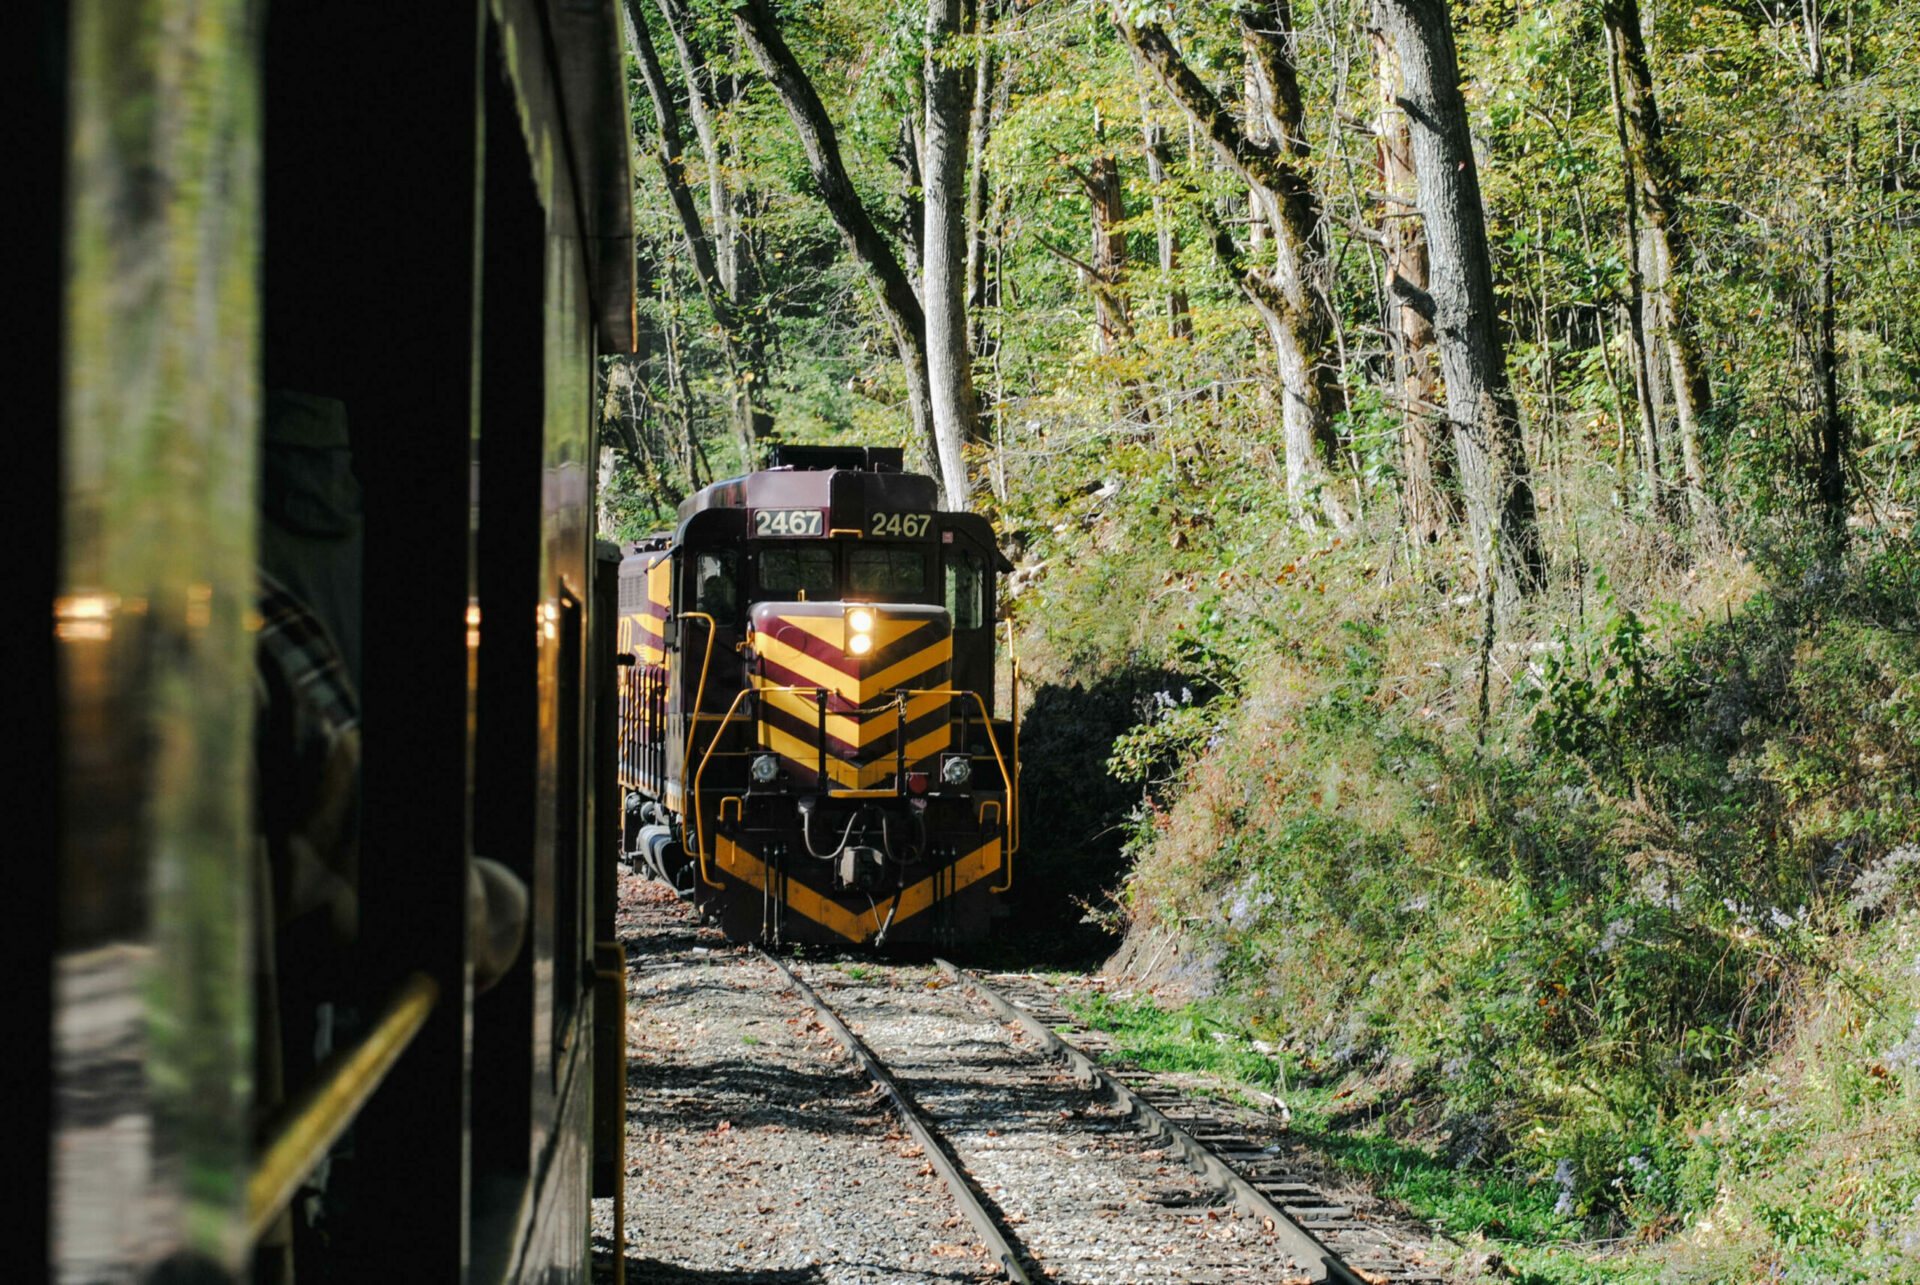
x: 809, y: 741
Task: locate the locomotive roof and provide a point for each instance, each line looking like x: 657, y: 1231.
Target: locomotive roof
x: 799, y: 487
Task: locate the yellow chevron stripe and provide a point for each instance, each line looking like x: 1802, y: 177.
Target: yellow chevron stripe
x: 807, y: 755
x: 847, y: 686
x: 907, y: 670
x: 846, y: 728
x: 809, y: 668
x: 832, y: 630
x: 854, y: 925
x: 851, y: 775
x: 932, y: 743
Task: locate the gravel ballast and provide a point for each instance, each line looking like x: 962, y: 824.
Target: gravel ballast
x: 756, y: 1152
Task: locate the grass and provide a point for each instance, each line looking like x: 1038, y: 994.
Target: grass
x: 1474, y: 1206
x: 1805, y: 1169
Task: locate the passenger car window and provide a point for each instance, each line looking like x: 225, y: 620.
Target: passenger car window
x: 716, y: 585
x: 887, y: 573
x: 966, y: 591
x: 805, y: 573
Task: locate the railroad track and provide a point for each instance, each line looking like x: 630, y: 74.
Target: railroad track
x: 1019, y: 1155
x: 1374, y: 1250
x: 1074, y: 1136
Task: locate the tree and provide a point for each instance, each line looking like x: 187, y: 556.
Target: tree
x: 760, y: 32
x: 745, y: 358
x: 1428, y: 508
x: 1106, y: 266
x: 1459, y: 301
x: 1291, y: 296
x: 944, y: 246
x: 1646, y: 386
x: 1166, y: 232
x: 1651, y: 164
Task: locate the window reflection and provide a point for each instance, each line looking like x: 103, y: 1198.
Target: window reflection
x: 966, y: 597
x: 804, y: 573
x: 716, y: 585
x: 887, y: 573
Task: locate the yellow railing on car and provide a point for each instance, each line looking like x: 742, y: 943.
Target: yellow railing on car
x: 342, y: 1085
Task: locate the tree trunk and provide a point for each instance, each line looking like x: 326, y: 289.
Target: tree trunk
x: 746, y: 375
x: 760, y: 31
x: 1833, y: 425
x: 1166, y: 233
x: 1488, y: 451
x: 728, y: 206
x: 943, y: 276
x: 909, y: 151
x: 1429, y: 509
x: 701, y: 107
x: 1290, y: 297
x: 1646, y: 394
x: 1107, y: 207
x: 1660, y: 184
x: 1831, y: 480
x: 986, y: 86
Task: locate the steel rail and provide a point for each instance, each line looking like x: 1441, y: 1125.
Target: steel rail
x: 1314, y: 1259
x: 930, y: 1142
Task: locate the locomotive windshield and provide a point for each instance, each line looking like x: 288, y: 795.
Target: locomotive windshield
x: 886, y: 573
x: 801, y: 572
x: 816, y: 573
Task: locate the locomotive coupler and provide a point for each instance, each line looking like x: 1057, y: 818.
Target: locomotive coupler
x: 861, y: 867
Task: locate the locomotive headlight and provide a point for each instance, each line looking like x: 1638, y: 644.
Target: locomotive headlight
x: 765, y: 768
x: 956, y: 771
x: 860, y: 622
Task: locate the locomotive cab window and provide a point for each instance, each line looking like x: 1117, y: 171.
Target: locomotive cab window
x: 966, y: 590
x: 804, y: 573
x: 886, y: 573
x: 716, y: 586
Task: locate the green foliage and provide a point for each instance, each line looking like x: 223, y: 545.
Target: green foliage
x: 1562, y: 951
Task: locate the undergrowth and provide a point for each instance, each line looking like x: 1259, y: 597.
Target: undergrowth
x: 1557, y: 917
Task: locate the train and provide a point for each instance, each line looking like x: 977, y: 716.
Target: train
x: 387, y: 248
x: 810, y: 747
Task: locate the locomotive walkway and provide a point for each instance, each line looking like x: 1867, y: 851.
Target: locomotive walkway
x: 758, y: 1153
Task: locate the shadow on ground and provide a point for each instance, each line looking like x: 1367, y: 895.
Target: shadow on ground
x: 697, y: 1097
x: 651, y: 1271
x: 1073, y: 821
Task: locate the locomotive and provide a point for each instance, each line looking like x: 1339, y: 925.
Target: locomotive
x: 809, y: 744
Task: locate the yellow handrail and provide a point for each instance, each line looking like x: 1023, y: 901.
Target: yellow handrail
x: 699, y: 692
x: 1013, y: 786
x: 326, y: 1107
x: 699, y: 818
x: 1013, y: 714
x: 1011, y: 778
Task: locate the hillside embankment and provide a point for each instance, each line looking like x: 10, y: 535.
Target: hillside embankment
x: 1588, y: 932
